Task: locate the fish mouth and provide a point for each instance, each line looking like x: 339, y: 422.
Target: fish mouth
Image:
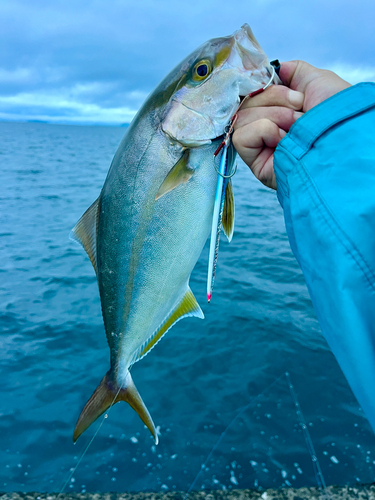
x: 220, y: 137
x: 273, y: 79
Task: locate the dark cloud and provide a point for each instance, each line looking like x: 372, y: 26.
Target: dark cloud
x: 111, y: 54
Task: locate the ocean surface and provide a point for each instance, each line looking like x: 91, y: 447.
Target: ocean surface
x: 217, y: 389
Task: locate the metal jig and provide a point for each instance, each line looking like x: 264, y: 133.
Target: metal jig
x: 222, y: 181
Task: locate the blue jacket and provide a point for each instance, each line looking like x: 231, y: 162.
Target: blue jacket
x: 325, y: 172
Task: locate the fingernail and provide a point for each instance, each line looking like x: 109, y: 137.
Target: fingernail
x: 282, y: 133
x: 296, y: 98
x: 296, y: 115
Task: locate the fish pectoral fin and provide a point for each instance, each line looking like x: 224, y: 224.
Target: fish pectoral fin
x: 228, y: 211
x: 188, y: 306
x: 85, y: 231
x: 179, y: 174
x: 106, y: 395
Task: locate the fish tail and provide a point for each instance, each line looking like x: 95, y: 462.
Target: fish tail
x: 107, y: 394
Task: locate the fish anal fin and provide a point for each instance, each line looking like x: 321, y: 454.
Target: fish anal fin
x: 106, y: 395
x: 85, y: 231
x: 179, y: 174
x: 228, y: 211
x: 188, y: 306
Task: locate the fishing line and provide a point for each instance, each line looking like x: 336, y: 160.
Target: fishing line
x: 203, y: 466
x: 317, y: 470
x: 89, y: 444
x: 316, y: 466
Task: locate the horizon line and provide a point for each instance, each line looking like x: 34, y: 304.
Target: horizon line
x: 62, y: 122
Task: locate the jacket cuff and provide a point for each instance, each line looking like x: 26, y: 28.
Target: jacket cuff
x: 313, y: 124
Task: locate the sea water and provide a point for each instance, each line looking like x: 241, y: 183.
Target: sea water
x: 216, y: 388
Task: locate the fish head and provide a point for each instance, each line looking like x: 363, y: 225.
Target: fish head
x: 209, y: 84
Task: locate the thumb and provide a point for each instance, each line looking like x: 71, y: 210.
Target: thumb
x: 317, y: 84
x: 298, y: 74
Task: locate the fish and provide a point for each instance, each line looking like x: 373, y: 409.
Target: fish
x: 147, y: 229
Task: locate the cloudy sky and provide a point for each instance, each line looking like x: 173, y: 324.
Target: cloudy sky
x: 79, y: 61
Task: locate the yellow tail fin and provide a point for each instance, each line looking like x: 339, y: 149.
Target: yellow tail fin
x: 106, y: 394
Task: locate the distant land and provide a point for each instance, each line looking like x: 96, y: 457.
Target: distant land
x: 62, y: 122
x: 37, y: 121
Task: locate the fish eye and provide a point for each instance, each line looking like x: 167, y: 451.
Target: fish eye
x: 201, y: 70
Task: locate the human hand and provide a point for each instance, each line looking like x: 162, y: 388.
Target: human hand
x: 317, y: 84
x: 266, y: 118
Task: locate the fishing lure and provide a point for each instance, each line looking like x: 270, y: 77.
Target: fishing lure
x: 225, y: 171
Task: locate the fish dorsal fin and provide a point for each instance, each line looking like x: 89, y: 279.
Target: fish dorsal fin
x: 228, y: 211
x: 85, y: 231
x: 177, y: 175
x: 188, y: 306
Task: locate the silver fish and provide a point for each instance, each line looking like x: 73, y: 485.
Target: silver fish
x: 145, y: 232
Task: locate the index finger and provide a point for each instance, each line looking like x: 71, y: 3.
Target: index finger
x: 276, y: 95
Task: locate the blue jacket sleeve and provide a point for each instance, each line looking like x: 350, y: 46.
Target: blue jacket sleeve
x: 325, y: 172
